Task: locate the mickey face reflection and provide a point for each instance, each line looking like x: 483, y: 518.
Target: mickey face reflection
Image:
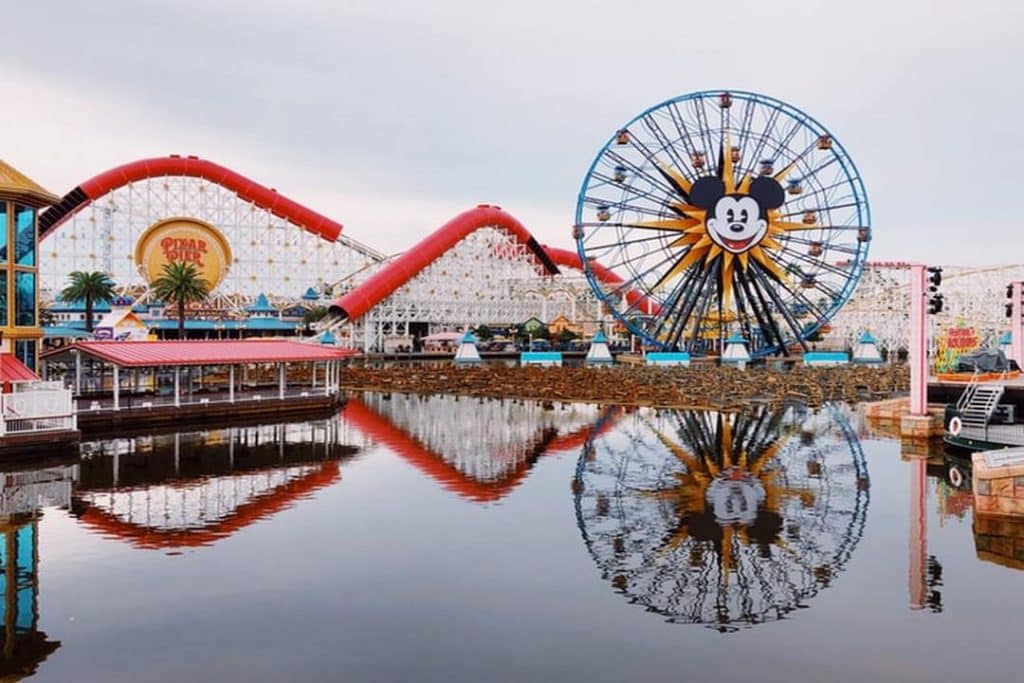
x: 737, y: 222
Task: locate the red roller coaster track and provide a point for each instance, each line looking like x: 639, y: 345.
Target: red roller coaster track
x: 190, y: 166
x: 385, y: 281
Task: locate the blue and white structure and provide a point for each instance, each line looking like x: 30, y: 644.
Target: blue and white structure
x: 866, y: 351
x: 826, y: 358
x: 599, y: 353
x: 543, y: 358
x: 1006, y: 344
x: 736, y: 351
x: 467, y: 351
x: 668, y: 358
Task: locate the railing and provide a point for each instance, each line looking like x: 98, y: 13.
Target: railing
x: 965, y: 397
x: 41, y: 407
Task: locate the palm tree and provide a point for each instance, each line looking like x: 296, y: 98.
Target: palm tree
x: 182, y: 284
x: 94, y: 287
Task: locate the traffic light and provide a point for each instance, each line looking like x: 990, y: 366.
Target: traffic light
x: 1011, y: 303
x: 935, y: 302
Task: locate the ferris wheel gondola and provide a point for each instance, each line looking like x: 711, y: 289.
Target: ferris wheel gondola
x: 722, y: 211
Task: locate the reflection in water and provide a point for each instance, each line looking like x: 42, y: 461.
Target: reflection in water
x: 1000, y: 540
x: 22, y: 495
x: 478, y: 448
x: 187, y: 490
x: 722, y: 519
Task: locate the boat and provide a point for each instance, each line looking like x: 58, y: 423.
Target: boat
x: 989, y: 414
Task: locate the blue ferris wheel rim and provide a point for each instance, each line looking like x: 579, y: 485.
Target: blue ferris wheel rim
x: 850, y: 171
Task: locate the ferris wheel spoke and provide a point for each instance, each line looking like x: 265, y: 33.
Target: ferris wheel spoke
x: 831, y: 247
x: 822, y: 191
x: 759, y: 308
x: 799, y: 297
x: 679, y: 323
x: 762, y: 279
x: 700, y: 110
x: 761, y: 138
x: 782, y: 146
x: 627, y: 242
x: 652, y: 126
x: 628, y: 260
x: 745, y: 128
x: 835, y: 207
x: 682, y: 289
x: 708, y: 296
x: 640, y: 172
x: 680, y: 123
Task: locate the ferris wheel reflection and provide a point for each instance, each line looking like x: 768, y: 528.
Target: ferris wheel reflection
x: 726, y: 520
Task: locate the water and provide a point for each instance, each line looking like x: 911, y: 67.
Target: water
x: 443, y: 539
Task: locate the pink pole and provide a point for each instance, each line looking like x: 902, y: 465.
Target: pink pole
x: 918, y: 356
x: 1017, y: 323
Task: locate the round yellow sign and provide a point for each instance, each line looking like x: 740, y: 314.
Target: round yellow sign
x: 183, y: 239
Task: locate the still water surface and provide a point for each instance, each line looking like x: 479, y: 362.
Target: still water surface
x: 434, y: 538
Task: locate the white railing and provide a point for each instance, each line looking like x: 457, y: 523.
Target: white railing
x: 38, y: 407
x: 26, y: 492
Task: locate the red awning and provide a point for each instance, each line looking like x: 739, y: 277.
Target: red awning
x: 141, y: 354
x: 13, y: 370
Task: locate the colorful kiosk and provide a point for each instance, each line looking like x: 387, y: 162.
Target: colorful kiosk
x: 599, y: 354
x: 736, y: 351
x: 467, y: 353
x: 866, y: 351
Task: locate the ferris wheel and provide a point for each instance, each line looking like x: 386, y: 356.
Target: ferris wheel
x: 723, y: 520
x: 723, y: 211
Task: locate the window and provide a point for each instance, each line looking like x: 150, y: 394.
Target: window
x: 3, y: 297
x: 25, y: 299
x: 24, y: 235
x: 3, y: 232
x: 25, y: 350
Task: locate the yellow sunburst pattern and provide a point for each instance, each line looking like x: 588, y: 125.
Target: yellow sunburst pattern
x: 696, y: 244
x: 730, y: 478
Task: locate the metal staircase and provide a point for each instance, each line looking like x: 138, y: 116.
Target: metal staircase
x: 978, y: 403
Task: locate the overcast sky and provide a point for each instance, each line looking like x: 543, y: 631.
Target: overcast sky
x: 393, y: 116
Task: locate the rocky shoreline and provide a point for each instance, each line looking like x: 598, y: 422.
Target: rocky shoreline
x: 699, y: 386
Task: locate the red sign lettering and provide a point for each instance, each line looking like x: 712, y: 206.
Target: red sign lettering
x: 187, y: 249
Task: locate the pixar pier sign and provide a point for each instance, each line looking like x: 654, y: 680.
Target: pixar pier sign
x: 187, y: 240
x: 187, y: 249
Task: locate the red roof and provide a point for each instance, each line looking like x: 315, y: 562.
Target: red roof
x: 141, y: 354
x: 13, y: 370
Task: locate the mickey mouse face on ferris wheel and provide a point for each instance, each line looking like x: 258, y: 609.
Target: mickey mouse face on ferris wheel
x: 737, y: 222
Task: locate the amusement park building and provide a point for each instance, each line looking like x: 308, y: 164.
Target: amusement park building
x: 263, y: 249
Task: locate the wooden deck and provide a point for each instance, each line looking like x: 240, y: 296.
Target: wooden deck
x: 35, y: 444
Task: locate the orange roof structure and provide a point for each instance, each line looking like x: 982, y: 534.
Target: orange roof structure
x: 143, y: 354
x: 15, y: 183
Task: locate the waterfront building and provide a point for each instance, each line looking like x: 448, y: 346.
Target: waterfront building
x: 21, y: 198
